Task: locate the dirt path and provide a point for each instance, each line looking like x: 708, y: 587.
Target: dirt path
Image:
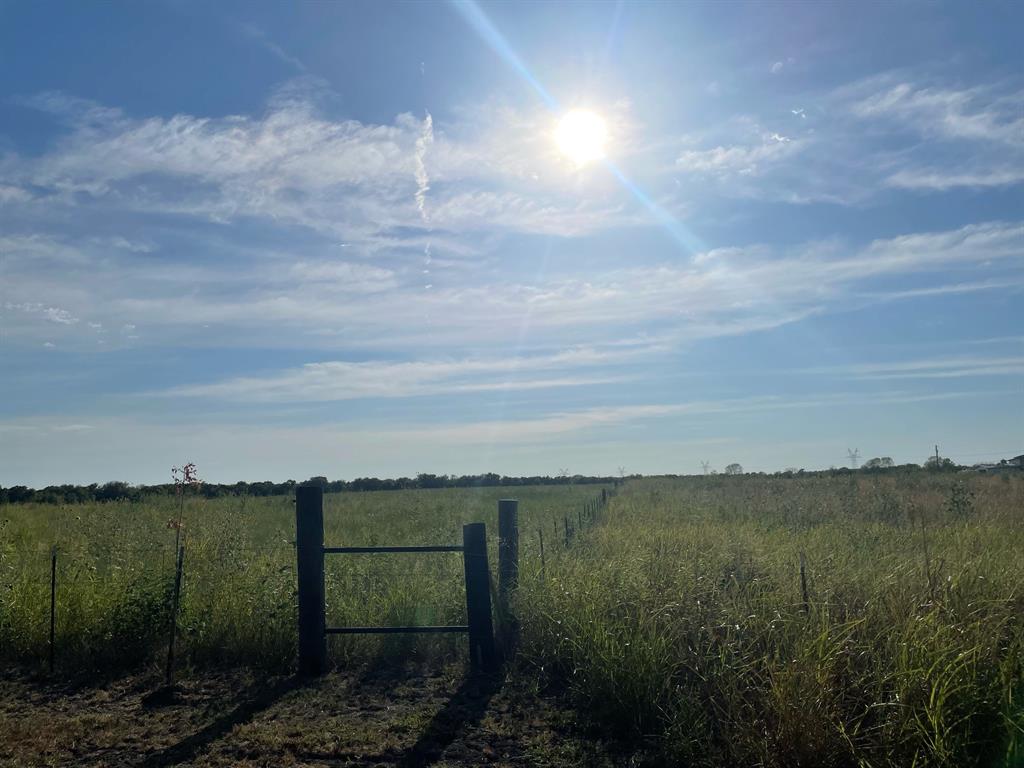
x: 344, y: 719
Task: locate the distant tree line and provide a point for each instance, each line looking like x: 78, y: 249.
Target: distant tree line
x: 121, y: 491
x: 877, y: 465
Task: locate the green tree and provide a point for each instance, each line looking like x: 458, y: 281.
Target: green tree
x: 936, y: 464
x: 885, y: 462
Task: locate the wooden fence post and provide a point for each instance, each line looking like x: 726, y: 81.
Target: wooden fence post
x: 508, y: 548
x: 508, y: 568
x: 482, y: 654
x: 567, y: 534
x: 309, y: 569
x: 604, y: 496
x: 53, y: 603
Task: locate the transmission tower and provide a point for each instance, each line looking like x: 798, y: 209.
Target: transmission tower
x: 854, y: 456
x: 706, y: 466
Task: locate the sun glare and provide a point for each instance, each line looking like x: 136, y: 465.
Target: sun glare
x: 581, y: 136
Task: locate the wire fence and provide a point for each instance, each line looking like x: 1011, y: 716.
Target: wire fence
x: 67, y: 599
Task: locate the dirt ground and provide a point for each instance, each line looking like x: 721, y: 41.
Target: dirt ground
x: 397, y: 718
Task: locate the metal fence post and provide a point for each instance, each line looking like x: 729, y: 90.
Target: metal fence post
x: 175, y: 599
x: 309, y: 568
x: 478, y: 598
x: 53, y: 604
x: 803, y: 583
x: 543, y: 565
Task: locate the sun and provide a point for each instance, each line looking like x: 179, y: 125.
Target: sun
x: 581, y: 136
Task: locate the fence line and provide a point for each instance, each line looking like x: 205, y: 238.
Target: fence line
x: 479, y: 626
x: 587, y: 515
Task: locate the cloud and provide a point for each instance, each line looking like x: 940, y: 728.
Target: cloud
x: 257, y: 34
x: 349, y: 277
x: 328, y: 303
x: 51, y: 314
x: 9, y: 194
x: 932, y: 368
x: 776, y: 67
x: 343, y: 380
x: 970, y: 114
x: 957, y: 137
x: 739, y: 159
x: 948, y: 289
x: 943, y: 180
x: 862, y: 140
x: 296, y: 164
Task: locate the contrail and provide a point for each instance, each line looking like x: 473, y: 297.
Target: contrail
x: 425, y: 139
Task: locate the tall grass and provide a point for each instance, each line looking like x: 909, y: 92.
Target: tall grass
x: 116, y: 568
x: 678, y: 618
x: 681, y: 618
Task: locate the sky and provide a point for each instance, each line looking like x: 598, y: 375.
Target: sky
x: 342, y: 239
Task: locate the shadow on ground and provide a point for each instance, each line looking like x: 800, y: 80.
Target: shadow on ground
x: 188, y: 748
x: 465, y: 709
x: 395, y: 718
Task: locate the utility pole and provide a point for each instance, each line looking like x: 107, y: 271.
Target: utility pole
x: 937, y: 457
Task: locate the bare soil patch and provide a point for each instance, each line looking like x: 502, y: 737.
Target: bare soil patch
x: 442, y: 718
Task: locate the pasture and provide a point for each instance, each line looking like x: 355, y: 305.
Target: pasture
x: 680, y: 623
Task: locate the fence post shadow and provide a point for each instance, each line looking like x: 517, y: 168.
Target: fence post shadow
x: 190, y: 746
x: 464, y: 709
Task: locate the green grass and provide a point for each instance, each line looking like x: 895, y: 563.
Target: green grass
x: 677, y: 619
x: 116, y: 567
x: 682, y: 618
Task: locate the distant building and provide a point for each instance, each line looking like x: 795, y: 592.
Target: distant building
x: 1003, y: 465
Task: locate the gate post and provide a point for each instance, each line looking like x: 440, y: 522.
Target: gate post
x: 508, y: 568
x: 508, y: 548
x: 478, y: 598
x: 309, y: 568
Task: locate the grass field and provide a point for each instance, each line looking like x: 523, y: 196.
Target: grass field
x: 678, y: 622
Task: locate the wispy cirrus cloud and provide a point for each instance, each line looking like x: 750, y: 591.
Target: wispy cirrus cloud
x: 943, y: 180
x: 896, y: 130
x: 254, y: 32
x: 294, y: 163
x: 975, y: 133
x: 945, y: 367
x: 343, y: 380
x: 277, y: 297
x: 739, y: 159
x: 975, y: 113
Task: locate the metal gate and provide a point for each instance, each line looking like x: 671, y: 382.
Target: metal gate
x: 310, y: 552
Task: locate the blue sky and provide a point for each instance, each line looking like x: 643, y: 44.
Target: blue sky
x: 284, y: 240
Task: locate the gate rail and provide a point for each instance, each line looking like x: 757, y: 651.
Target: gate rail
x: 310, y: 552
